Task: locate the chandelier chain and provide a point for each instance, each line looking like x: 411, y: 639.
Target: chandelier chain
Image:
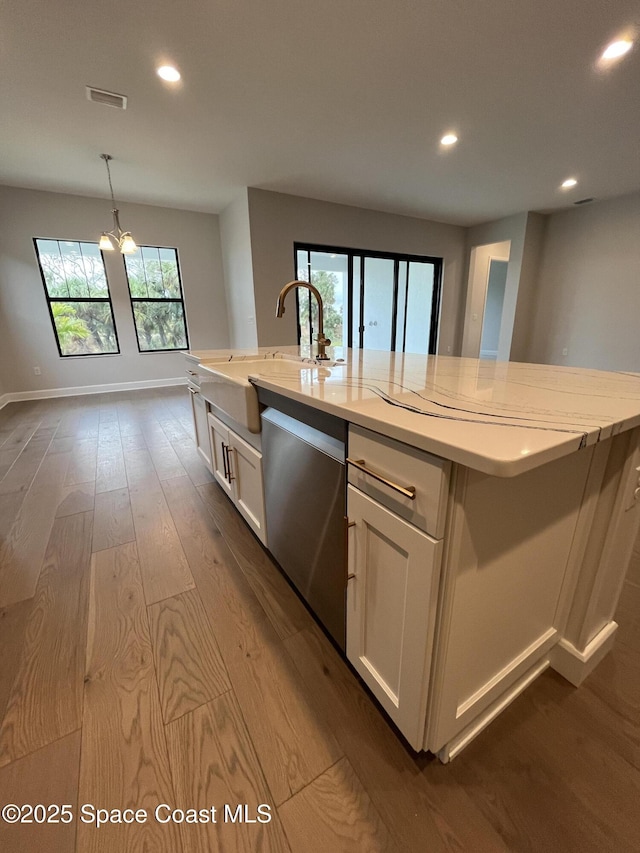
x: 125, y: 241
x: 106, y: 158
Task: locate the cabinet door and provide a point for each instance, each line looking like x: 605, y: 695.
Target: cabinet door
x: 391, y: 605
x: 200, y: 426
x: 219, y: 453
x: 245, y: 465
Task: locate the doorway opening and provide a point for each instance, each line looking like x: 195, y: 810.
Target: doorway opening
x: 377, y: 300
x: 485, y: 334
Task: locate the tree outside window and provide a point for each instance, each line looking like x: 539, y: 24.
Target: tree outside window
x: 330, y: 287
x: 155, y: 288
x: 77, y: 292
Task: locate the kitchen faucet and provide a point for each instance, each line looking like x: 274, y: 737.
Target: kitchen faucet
x: 322, y: 342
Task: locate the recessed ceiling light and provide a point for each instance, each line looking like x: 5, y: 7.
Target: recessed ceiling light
x: 169, y: 73
x: 449, y: 139
x: 617, y: 49
x: 570, y: 182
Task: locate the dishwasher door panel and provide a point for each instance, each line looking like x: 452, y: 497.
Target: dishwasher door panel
x: 305, y: 508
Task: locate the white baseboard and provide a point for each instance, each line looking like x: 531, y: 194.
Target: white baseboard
x: 575, y: 665
x: 78, y: 390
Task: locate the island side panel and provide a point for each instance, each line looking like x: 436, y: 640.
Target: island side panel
x: 510, y: 542
x: 589, y: 629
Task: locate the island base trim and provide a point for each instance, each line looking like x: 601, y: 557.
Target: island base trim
x: 575, y: 665
x: 458, y: 743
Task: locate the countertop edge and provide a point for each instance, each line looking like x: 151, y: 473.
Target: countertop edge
x: 504, y: 468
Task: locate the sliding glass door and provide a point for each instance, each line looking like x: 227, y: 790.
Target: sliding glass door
x: 371, y: 299
x: 329, y: 272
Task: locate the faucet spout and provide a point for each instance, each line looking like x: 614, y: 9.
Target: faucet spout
x: 322, y: 342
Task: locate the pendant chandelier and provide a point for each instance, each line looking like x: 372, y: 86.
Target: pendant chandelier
x: 123, y: 239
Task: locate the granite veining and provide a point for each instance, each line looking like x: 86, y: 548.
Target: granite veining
x: 502, y: 418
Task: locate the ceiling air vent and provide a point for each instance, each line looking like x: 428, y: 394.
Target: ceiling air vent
x: 584, y: 201
x: 111, y: 99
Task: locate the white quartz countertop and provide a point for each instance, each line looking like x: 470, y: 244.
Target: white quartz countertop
x: 502, y: 418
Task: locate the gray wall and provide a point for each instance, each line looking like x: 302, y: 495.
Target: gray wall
x: 277, y: 220
x: 493, y: 308
x: 526, y: 233
x: 26, y: 336
x: 235, y: 235
x: 588, y: 291
x: 530, y: 260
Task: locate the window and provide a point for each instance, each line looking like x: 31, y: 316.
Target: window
x: 378, y: 300
x: 156, y: 299
x: 77, y: 292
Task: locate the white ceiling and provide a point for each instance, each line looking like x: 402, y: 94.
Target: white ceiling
x: 343, y: 100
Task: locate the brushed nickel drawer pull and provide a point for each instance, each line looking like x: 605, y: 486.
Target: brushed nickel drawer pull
x: 191, y: 390
x: 407, y: 491
x: 225, y: 465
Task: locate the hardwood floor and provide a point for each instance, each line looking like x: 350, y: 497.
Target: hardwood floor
x: 151, y: 653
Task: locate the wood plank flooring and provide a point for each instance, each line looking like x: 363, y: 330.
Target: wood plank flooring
x: 151, y: 653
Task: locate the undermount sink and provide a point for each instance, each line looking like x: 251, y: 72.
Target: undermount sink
x: 226, y: 384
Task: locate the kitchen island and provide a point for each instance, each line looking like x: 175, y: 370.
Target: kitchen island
x: 492, y: 509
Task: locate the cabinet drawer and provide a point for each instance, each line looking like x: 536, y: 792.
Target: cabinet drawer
x: 405, y: 466
x: 193, y: 377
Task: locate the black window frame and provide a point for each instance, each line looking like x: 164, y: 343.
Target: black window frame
x: 397, y: 257
x: 133, y: 299
x: 51, y: 299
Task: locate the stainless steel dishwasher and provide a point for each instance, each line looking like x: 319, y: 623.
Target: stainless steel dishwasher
x: 304, y: 481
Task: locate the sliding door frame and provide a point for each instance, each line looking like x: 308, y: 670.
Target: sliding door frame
x: 363, y: 254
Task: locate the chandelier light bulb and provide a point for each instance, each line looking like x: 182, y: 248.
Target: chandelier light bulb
x: 128, y: 245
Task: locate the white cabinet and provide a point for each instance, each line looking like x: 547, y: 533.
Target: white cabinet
x: 392, y: 592
x: 238, y: 468
x: 200, y: 426
x: 219, y: 435
x: 396, y: 505
x: 410, y: 482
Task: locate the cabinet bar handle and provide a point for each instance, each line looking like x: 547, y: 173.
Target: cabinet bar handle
x: 225, y: 464
x: 347, y: 526
x: 192, y: 372
x: 191, y: 390
x: 229, y: 449
x: 407, y: 491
